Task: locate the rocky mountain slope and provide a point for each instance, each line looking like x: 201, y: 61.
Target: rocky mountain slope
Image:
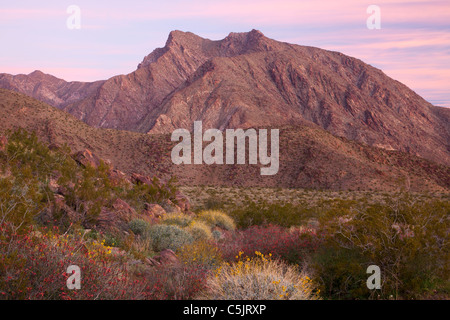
x: 310, y: 157
x: 49, y: 89
x: 248, y: 80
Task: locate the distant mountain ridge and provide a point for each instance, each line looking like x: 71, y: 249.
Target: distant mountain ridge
x: 310, y: 157
x: 248, y: 80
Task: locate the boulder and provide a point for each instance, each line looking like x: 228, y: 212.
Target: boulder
x: 183, y: 201
x: 139, y: 178
x: 86, y: 158
x: 154, y: 210
x: 123, y: 208
x: 165, y: 257
x: 169, y: 206
x: 118, y: 177
x: 117, y: 217
x: 152, y: 262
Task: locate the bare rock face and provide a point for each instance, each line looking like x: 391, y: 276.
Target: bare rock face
x: 87, y: 158
x: 48, y: 88
x: 248, y: 80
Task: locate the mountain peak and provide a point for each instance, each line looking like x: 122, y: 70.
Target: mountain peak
x: 254, y: 34
x: 246, y: 42
x: 177, y: 37
x: 234, y: 44
x: 36, y: 73
x: 249, y: 80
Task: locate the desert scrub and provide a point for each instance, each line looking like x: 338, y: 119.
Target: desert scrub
x: 33, y: 265
x: 174, y: 282
x: 177, y: 219
x: 259, y: 278
x: 168, y: 237
x: 217, y: 218
x: 291, y: 245
x: 283, y: 214
x: 202, y: 253
x: 406, y: 238
x: 138, y: 226
x: 200, y: 230
x: 217, y: 235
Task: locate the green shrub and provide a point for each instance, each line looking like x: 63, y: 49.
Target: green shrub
x: 406, y: 238
x: 152, y: 192
x: 284, y: 215
x: 214, y: 203
x: 217, y: 218
x: 168, y: 237
x: 138, y: 226
x: 341, y: 273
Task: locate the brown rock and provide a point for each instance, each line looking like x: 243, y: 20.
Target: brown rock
x: 118, y: 177
x: 87, y: 158
x: 152, y: 262
x: 123, y: 208
x: 165, y: 257
x: 169, y: 206
x: 154, y: 210
x: 116, y: 218
x: 183, y: 201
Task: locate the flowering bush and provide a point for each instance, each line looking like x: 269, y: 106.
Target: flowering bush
x: 176, y: 282
x: 258, y: 278
x: 177, y: 219
x: 217, y: 218
x: 33, y: 265
x: 288, y: 244
x: 200, y: 230
x: 201, y: 253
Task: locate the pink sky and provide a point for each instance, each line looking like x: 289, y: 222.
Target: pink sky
x: 412, y: 46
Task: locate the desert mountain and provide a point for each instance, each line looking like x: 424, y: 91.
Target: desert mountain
x: 248, y: 80
x: 310, y: 157
x: 49, y: 89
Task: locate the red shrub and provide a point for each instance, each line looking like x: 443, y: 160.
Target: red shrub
x: 33, y: 266
x: 177, y: 282
x: 287, y: 244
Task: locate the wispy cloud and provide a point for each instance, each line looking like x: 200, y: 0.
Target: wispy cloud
x: 413, y: 45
